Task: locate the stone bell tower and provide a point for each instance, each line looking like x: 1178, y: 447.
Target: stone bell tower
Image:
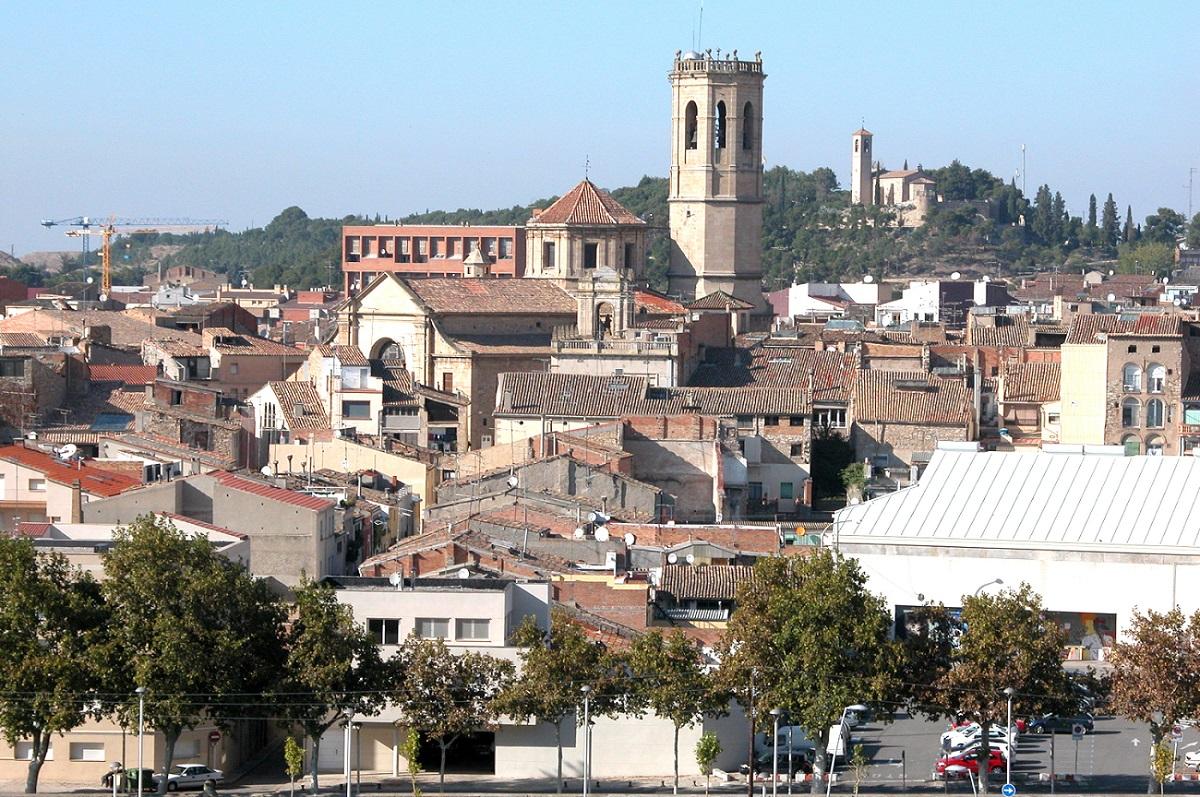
x: 716, y: 179
x: 862, y: 192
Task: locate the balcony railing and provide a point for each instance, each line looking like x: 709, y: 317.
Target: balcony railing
x: 617, y: 345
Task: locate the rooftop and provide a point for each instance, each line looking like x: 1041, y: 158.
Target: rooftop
x: 92, y: 479
x: 300, y: 405
x: 912, y: 397
x: 271, y: 493
x: 495, y: 296
x: 719, y: 300
x: 586, y: 204
x: 708, y: 582
x: 1093, y: 329
x: 1031, y: 382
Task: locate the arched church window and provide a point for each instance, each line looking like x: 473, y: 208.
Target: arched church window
x: 719, y: 137
x: 748, y: 126
x: 690, y: 126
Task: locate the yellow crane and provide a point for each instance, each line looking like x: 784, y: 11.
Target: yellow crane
x: 86, y: 226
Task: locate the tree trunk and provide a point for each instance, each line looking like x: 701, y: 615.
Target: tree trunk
x: 313, y: 759
x: 558, y: 744
x: 820, y: 760
x: 442, y: 768
x: 170, y: 738
x: 41, y: 744
x: 675, y: 785
x: 1156, y: 734
x: 985, y: 755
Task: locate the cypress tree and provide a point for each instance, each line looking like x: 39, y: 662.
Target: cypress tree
x: 1110, y: 227
x: 1130, y: 233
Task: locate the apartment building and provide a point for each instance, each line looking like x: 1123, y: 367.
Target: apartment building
x: 433, y: 250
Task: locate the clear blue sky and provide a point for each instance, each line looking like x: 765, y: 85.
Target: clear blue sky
x: 237, y: 110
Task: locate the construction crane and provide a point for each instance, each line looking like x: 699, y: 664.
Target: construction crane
x: 87, y: 226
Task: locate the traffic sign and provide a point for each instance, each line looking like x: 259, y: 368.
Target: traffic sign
x: 1008, y: 790
x: 1176, y: 732
x: 214, y: 736
x: 1077, y: 731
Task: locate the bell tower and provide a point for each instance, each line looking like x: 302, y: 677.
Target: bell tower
x: 716, y: 179
x: 861, y: 190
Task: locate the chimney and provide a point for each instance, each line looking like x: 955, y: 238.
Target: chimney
x: 76, y: 502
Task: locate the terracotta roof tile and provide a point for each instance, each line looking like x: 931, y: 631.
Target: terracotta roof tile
x: 587, y: 205
x: 346, y: 355
x: 302, y: 395
x: 911, y: 397
x: 1031, y: 382
x: 831, y: 373
x: 1087, y: 329
x: 652, y: 303
x: 131, y: 375
x: 226, y: 341
x: 91, y: 479
x: 753, y: 539
x: 127, y: 332
x: 487, y: 295
x: 719, y: 300
x: 271, y: 493
x: 707, y: 582
x: 22, y: 340
x: 1007, y: 330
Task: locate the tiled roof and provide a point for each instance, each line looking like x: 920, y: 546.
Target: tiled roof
x: 1031, y: 382
x: 487, y: 295
x: 831, y: 372
x: 271, y: 493
x: 133, y: 375
x: 347, y: 355
x: 502, y: 344
x: 586, y: 204
x: 33, y: 530
x: 127, y: 331
x: 652, y: 303
x: 1008, y: 330
x: 22, y: 340
x: 579, y: 396
x: 754, y: 539
x: 300, y: 394
x: 912, y: 397
x: 719, y: 300
x: 1086, y: 329
x: 707, y: 582
x: 226, y: 341
x: 91, y: 479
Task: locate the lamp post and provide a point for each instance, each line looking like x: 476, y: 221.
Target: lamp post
x: 141, y: 693
x: 776, y: 713
x: 1012, y: 743
x: 347, y: 741
x: 587, y: 737
x: 981, y: 587
x: 857, y: 707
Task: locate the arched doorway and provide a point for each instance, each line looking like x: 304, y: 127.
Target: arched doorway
x: 606, y: 318
x: 387, y: 349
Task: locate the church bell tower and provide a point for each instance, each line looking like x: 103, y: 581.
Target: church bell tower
x: 716, y: 179
x: 862, y: 192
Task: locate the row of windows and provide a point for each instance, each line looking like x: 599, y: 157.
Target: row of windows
x: 1156, y: 416
x: 1131, y: 378
x: 427, y: 247
x: 827, y: 417
x: 386, y: 631
x: 1133, y: 446
x: 720, y: 129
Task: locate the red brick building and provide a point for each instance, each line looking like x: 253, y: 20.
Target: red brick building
x: 427, y: 250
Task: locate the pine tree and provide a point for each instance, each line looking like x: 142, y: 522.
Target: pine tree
x: 1109, y: 226
x: 1130, y: 233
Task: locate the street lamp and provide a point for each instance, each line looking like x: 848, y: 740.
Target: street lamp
x: 1012, y: 746
x: 981, y: 587
x: 858, y: 708
x: 141, y: 693
x: 776, y: 713
x: 587, y: 737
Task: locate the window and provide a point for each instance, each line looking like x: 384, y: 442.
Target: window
x: 506, y: 248
x: 1156, y: 378
x: 719, y: 131
x: 1129, y: 412
x: 1053, y: 418
x: 1154, y: 413
x: 797, y: 450
x: 176, y: 398
x: 233, y: 368
x: 37, y: 485
x: 785, y: 491
x: 591, y: 253
x: 1191, y: 415
x: 87, y: 751
x: 830, y: 417
x: 1154, y: 446
x: 1131, y: 378
x: 356, y: 410
x: 745, y: 421
x: 771, y: 420
x: 270, y: 413
x: 1133, y: 349
x: 795, y: 420
x: 1155, y: 349
x: 689, y: 126
x: 548, y: 256
x: 384, y: 632
x: 12, y: 368
x: 447, y: 382
x: 1133, y: 446
x: 433, y: 627
x: 630, y: 256
x: 24, y: 751
x: 748, y: 126
x: 472, y: 628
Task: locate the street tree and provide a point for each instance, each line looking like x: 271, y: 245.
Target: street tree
x: 672, y: 679
x: 411, y: 750
x: 1002, y: 641
x: 293, y: 762
x: 51, y: 615
x: 1156, y: 672
x: 708, y: 748
x: 809, y: 638
x: 332, y: 670
x: 445, y: 695
x: 555, y: 665
x: 192, y: 628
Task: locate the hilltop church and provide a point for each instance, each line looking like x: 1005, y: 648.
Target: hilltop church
x: 909, y: 193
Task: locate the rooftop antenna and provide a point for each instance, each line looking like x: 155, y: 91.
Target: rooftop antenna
x: 587, y: 165
x: 700, y: 29
x: 1191, y: 178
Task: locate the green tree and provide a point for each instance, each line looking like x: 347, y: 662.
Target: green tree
x: 1130, y: 234
x: 815, y: 641
x: 1091, y: 231
x: 671, y: 678
x: 197, y: 631
x: 411, y: 750
x: 708, y: 749
x: 50, y: 617
x: 333, y: 662
x: 1156, y: 675
x: 854, y: 478
x: 831, y: 454
x: 1146, y: 258
x: 1164, y: 226
x: 1162, y: 764
x: 293, y: 761
x: 1193, y: 233
x: 858, y: 767
x: 445, y: 695
x: 555, y: 665
x: 1006, y: 642
x: 1110, y: 226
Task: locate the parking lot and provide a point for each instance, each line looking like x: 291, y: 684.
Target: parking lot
x: 1112, y: 758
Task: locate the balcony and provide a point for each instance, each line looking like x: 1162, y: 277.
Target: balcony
x: 615, y: 346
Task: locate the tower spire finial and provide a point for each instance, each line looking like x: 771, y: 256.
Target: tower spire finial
x: 587, y: 164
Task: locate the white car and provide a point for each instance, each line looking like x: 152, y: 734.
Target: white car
x: 192, y: 776
x: 972, y: 748
x: 962, y: 736
x: 1192, y: 760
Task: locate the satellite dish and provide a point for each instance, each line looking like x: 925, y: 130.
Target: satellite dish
x: 691, y: 560
x: 630, y: 539
x: 1112, y: 297
x: 593, y: 517
x: 1111, y: 272
x: 672, y: 558
x: 868, y: 279
x: 986, y: 278
x: 1177, y: 302
x: 1166, y: 280
x: 68, y: 451
x: 955, y: 275
x: 31, y: 436
x: 345, y: 465
x: 512, y: 482
x: 579, y: 533
x: 266, y: 471
x: 90, y: 280
x: 464, y: 572
x: 601, y: 534
x: 395, y: 579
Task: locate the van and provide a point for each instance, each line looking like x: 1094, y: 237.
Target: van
x: 839, y: 740
x: 794, y: 734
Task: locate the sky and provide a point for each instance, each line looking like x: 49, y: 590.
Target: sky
x: 239, y: 110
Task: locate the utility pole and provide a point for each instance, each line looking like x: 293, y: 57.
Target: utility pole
x: 1191, y: 179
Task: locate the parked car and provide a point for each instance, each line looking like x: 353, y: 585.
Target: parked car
x: 793, y: 734
x: 971, y: 763
x: 972, y: 748
x: 1192, y: 759
x: 963, y: 735
x: 192, y: 776
x: 1053, y: 723
x: 764, y: 766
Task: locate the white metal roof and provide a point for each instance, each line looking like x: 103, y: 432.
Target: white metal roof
x: 1058, y: 501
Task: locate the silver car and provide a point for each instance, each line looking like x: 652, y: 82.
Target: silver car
x: 193, y: 776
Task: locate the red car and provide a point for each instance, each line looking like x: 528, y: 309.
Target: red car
x: 971, y: 762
